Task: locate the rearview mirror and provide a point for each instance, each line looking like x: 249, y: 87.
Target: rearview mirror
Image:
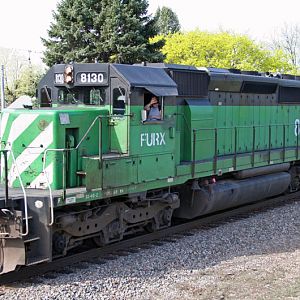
x: 143, y: 115
x: 119, y: 107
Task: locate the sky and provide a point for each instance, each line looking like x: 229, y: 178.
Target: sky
x: 23, y: 22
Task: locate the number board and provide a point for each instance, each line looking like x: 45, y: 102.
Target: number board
x: 91, y: 78
x: 58, y: 78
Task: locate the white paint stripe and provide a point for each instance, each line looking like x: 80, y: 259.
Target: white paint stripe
x: 32, y: 152
x: 4, y: 119
x: 40, y: 182
x: 19, y: 125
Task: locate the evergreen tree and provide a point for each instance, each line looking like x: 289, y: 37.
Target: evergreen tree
x: 103, y: 31
x: 166, y: 21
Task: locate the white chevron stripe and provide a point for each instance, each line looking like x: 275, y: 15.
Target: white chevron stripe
x: 32, y: 152
x: 40, y: 182
x: 4, y: 119
x: 19, y: 125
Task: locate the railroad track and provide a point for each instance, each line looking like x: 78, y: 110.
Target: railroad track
x: 135, y: 244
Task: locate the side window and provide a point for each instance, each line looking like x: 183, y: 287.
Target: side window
x: 153, y: 108
x: 119, y: 98
x: 45, y: 97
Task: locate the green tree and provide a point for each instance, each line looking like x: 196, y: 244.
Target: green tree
x: 288, y: 40
x: 103, y: 31
x: 166, y: 21
x: 20, y: 76
x: 13, y: 63
x: 222, y: 50
x: 28, y: 80
x: 25, y: 84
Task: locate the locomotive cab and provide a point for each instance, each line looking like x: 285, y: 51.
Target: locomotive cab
x: 89, y: 113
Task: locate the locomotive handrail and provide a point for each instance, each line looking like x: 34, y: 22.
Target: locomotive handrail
x: 247, y: 126
x: 100, y: 130
x: 268, y: 148
x: 23, y: 190
x: 6, y: 175
x: 6, y: 184
x: 48, y: 184
x: 64, y: 150
x: 25, y: 196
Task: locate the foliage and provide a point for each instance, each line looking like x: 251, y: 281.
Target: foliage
x: 20, y: 77
x: 166, y: 21
x: 28, y: 80
x: 25, y: 84
x: 288, y: 40
x: 103, y: 31
x: 222, y: 50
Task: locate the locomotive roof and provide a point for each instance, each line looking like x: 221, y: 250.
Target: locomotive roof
x: 249, y: 81
x: 172, y: 79
x: 172, y: 66
x: 155, y: 80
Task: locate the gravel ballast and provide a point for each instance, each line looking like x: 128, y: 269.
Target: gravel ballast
x: 253, y: 258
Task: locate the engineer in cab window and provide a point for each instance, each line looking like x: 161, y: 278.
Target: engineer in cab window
x: 154, y: 113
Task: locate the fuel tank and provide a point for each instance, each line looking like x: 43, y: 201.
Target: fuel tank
x: 197, y: 200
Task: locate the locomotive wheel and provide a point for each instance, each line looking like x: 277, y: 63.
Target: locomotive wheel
x: 100, y: 240
x: 295, y: 184
x: 151, y: 226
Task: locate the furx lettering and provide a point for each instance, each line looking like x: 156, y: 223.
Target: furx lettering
x: 153, y: 139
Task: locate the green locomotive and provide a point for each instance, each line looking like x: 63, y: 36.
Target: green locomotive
x: 90, y: 163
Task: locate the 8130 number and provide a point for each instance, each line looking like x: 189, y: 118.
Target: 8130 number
x: 91, y: 77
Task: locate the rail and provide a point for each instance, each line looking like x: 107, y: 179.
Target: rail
x: 64, y: 151
x: 21, y: 184
x: 215, y: 133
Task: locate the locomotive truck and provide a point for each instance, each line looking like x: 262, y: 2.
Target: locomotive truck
x: 86, y: 164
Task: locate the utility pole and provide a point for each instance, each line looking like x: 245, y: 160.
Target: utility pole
x: 29, y: 58
x: 2, y: 88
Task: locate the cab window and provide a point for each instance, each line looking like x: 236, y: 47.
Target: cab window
x: 119, y: 101
x: 67, y: 97
x: 153, y: 108
x: 45, y: 97
x: 97, y: 97
x: 87, y: 96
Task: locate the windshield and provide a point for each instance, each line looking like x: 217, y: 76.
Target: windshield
x: 86, y: 95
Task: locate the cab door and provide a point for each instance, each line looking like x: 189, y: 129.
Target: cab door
x: 119, y: 121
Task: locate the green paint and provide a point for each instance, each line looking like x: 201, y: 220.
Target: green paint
x: 154, y: 155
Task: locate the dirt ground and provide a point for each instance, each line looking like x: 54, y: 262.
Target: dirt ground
x: 275, y: 276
